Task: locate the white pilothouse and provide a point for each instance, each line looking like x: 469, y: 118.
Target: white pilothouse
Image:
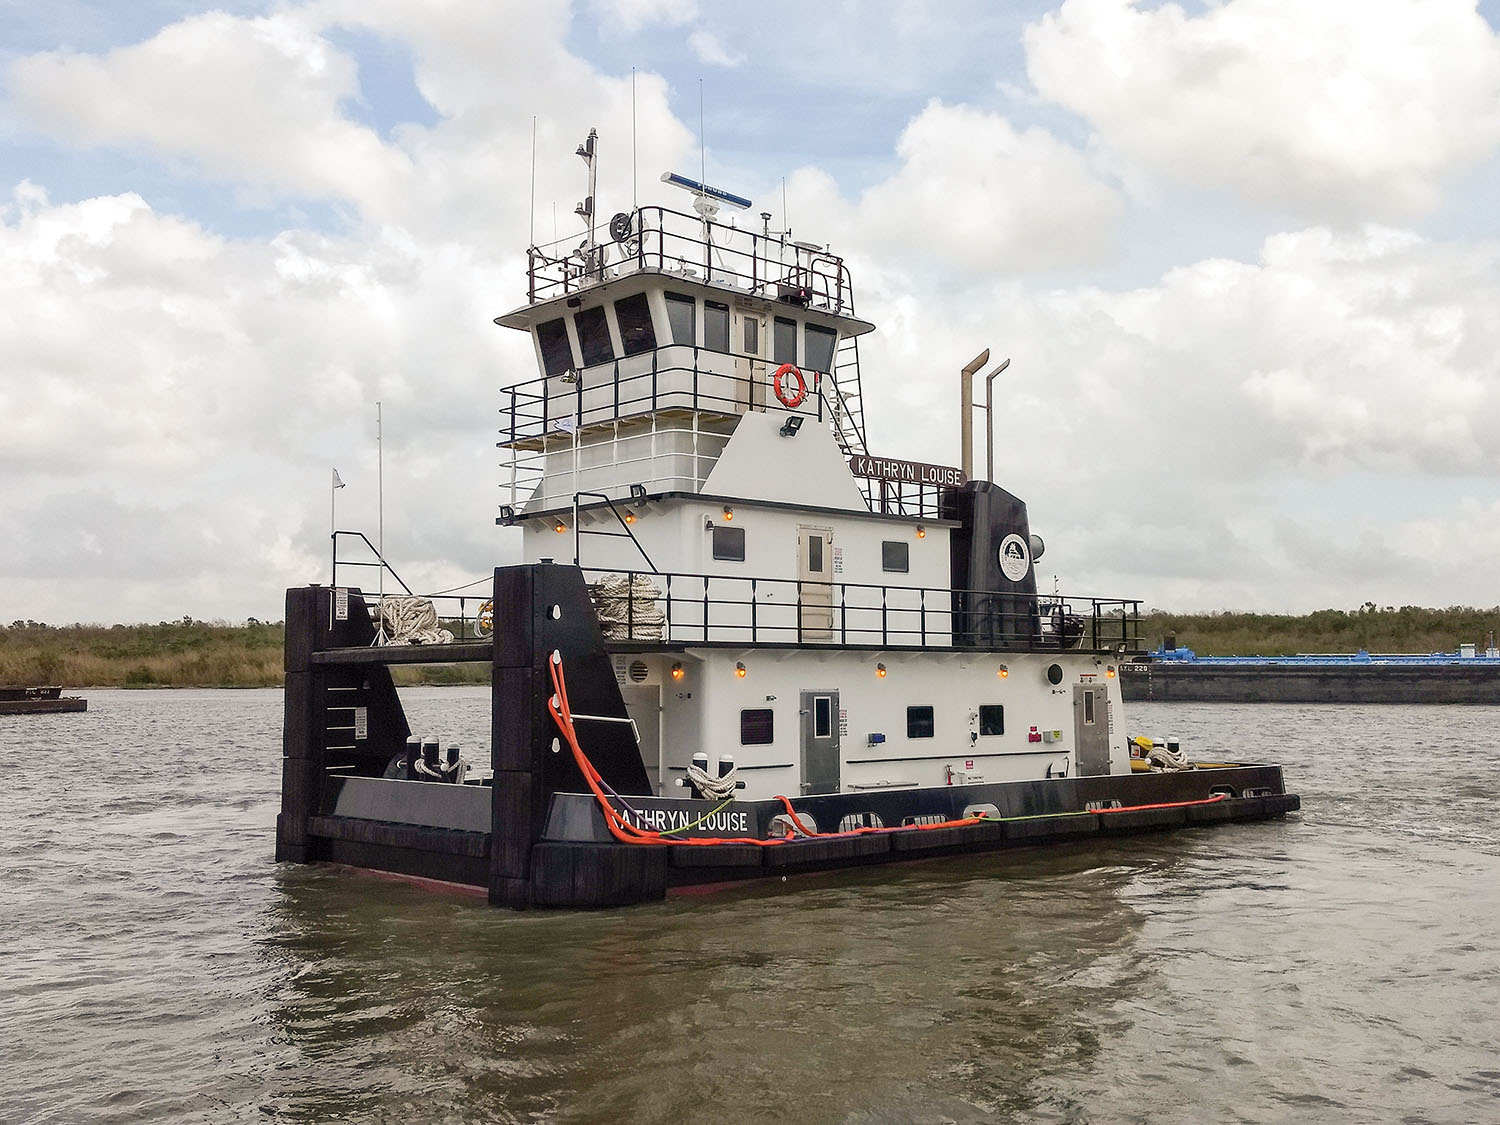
x: 833, y: 620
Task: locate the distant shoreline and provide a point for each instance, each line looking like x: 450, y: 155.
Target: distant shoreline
x: 216, y: 654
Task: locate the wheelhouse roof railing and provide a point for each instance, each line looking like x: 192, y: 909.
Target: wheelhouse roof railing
x: 669, y: 241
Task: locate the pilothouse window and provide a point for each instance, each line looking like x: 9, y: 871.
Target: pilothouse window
x: 820, y: 343
x: 682, y: 319
x: 784, y: 341
x: 633, y: 314
x: 715, y: 326
x: 557, y: 354
x: 593, y: 337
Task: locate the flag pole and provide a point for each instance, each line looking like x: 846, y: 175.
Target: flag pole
x: 380, y: 503
x: 333, y: 526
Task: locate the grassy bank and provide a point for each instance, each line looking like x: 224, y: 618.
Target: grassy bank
x: 1407, y: 629
x: 184, y: 653
x: 190, y: 653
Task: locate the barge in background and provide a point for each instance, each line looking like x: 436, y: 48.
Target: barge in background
x: 770, y: 651
x: 39, y: 701
x: 1179, y: 675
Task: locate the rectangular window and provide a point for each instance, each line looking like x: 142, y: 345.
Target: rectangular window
x: 820, y: 342
x: 633, y: 315
x: 784, y: 341
x: 752, y: 336
x: 895, y: 556
x: 815, y: 554
x: 757, y: 727
x: 1088, y: 708
x: 919, y: 723
x: 715, y: 326
x: 682, y: 319
x: 729, y: 543
x: 822, y: 716
x: 992, y: 719
x: 593, y: 337
x: 557, y: 353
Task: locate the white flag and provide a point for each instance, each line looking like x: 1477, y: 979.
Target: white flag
x: 567, y: 425
x: 338, y: 481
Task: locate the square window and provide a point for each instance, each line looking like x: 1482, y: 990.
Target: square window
x: 895, y: 556
x: 919, y: 723
x: 757, y: 727
x: 729, y: 543
x: 992, y: 719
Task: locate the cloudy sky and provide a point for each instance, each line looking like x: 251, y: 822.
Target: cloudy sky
x: 1245, y: 257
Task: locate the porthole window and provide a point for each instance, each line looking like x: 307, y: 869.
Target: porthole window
x: 992, y: 719
x: 919, y: 722
x: 729, y: 543
x: 757, y: 726
x: 895, y: 556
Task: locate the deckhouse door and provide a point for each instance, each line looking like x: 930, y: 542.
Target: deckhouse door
x: 820, y: 742
x: 1091, y: 728
x: 815, y: 590
x: 748, y: 340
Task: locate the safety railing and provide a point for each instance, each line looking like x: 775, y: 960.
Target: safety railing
x: 659, y: 238
x: 464, y: 611
x: 658, y: 419
x: 674, y: 608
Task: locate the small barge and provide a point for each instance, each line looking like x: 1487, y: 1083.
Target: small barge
x: 39, y: 701
x: 739, y: 644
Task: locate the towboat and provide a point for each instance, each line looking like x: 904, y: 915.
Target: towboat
x: 739, y: 643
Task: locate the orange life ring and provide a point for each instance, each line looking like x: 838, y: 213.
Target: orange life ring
x: 790, y: 399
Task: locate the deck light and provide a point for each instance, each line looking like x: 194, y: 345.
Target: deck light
x: 637, y: 493
x: 880, y: 670
x: 790, y: 427
x: 728, y: 513
x: 921, y: 532
x: 630, y: 517
x: 739, y: 669
x: 559, y: 527
x: 1002, y: 671
x: 1110, y: 671
x: 677, y: 672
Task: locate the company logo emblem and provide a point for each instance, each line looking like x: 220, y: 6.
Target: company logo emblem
x: 1014, y: 557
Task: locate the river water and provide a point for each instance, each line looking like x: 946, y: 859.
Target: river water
x: 1342, y: 965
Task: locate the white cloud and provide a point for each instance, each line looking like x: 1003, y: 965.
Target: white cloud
x: 706, y: 48
x: 254, y: 101
x: 976, y: 195
x: 1339, y: 109
x: 632, y: 15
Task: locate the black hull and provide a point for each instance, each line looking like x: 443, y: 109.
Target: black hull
x: 534, y: 836
x: 577, y: 863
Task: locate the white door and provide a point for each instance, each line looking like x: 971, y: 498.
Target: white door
x: 814, y: 588
x: 747, y: 339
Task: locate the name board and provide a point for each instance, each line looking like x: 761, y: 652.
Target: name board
x: 680, y: 816
x: 906, y: 472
